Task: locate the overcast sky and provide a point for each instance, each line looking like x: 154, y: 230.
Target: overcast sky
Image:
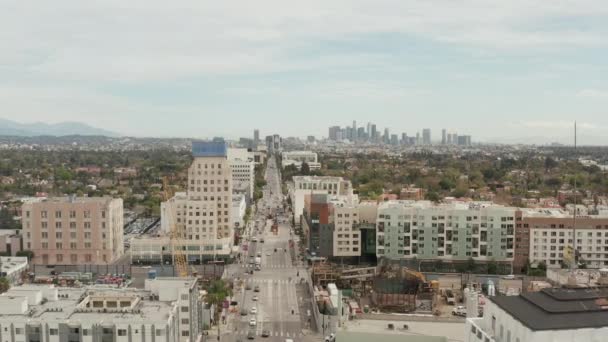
x: 493, y: 69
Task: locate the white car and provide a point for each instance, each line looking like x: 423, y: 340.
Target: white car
x: 253, y: 322
x: 459, y: 311
x: 253, y: 311
x: 254, y: 298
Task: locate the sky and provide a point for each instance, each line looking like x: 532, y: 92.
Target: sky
x: 498, y: 70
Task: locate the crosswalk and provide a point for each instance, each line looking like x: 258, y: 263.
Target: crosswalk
x: 250, y: 266
x: 273, y: 333
x: 273, y: 281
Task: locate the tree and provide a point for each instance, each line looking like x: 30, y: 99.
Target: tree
x: 217, y: 292
x: 25, y: 253
x: 550, y: 163
x: 305, y: 169
x: 492, y: 267
x: 4, y: 284
x: 470, y: 264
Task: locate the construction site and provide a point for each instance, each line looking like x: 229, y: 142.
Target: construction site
x: 394, y: 288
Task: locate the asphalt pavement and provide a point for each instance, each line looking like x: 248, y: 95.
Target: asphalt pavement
x: 280, y: 300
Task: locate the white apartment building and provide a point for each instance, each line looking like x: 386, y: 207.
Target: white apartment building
x: 551, y: 232
x: 456, y: 231
x: 13, y: 268
x: 306, y: 185
x: 74, y: 230
x: 243, y: 171
x: 550, y: 315
x: 167, y: 311
x: 239, y: 208
x: 298, y: 157
x: 346, y: 236
x: 204, y: 214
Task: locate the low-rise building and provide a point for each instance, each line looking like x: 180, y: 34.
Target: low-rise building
x: 306, y: 185
x: 550, y: 231
x: 13, y: 268
x: 297, y: 158
x: 166, y: 311
x: 551, y: 314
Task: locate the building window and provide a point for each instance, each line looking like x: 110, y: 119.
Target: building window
x: 121, y: 332
x: 160, y: 332
x: 185, y: 333
x: 53, y: 332
x: 85, y: 332
x: 185, y: 321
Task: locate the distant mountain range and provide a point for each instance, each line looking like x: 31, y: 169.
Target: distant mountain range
x: 12, y: 128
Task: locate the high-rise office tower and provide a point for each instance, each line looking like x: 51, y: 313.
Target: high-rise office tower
x: 361, y: 133
x: 333, y: 133
x: 449, y: 142
x: 394, y: 139
x: 443, y: 137
x: 417, y: 138
x: 256, y: 137
x: 355, y: 135
x: 386, y: 136
x: 426, y: 136
x: 374, y: 133
x: 369, y: 131
x: 404, y: 139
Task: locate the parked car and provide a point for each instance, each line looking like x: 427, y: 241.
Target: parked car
x: 256, y: 289
x: 253, y: 322
x: 459, y: 311
x: 243, y: 312
x: 251, y: 335
x: 265, y: 333
x: 330, y: 338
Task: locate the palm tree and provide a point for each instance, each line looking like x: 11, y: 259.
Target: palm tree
x: 217, y: 292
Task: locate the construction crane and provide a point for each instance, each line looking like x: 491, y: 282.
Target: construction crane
x: 176, y: 234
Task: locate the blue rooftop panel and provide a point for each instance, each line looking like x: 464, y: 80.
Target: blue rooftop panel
x: 209, y: 149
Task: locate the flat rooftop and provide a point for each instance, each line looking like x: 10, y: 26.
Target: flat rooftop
x: 70, y: 306
x: 558, y: 309
x: 418, y: 331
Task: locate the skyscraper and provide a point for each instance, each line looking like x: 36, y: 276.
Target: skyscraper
x: 374, y: 133
x: 386, y: 137
x: 256, y: 137
x: 333, y: 133
x: 443, y: 137
x: 369, y: 131
x: 426, y: 136
x: 354, y: 131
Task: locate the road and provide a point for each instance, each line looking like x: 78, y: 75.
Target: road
x: 282, y: 303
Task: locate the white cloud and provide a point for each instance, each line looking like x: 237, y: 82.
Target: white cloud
x: 593, y: 93
x: 150, y: 40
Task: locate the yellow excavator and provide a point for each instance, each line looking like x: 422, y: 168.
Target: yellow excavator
x: 176, y: 234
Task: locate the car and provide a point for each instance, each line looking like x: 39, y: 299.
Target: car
x: 248, y: 286
x: 243, y: 312
x: 256, y: 288
x: 253, y: 310
x: 330, y: 338
x: 267, y: 253
x: 251, y: 335
x: 254, y: 298
x: 509, y: 277
x: 265, y: 333
x: 257, y: 267
x: 262, y: 240
x: 253, y: 322
x: 459, y: 311
x: 259, y: 254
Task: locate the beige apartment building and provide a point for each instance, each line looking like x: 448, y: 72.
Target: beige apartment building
x: 74, y: 230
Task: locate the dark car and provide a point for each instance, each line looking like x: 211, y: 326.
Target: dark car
x: 251, y: 335
x: 256, y: 288
x: 265, y: 333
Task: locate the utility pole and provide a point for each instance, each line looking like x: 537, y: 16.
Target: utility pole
x: 573, y: 264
